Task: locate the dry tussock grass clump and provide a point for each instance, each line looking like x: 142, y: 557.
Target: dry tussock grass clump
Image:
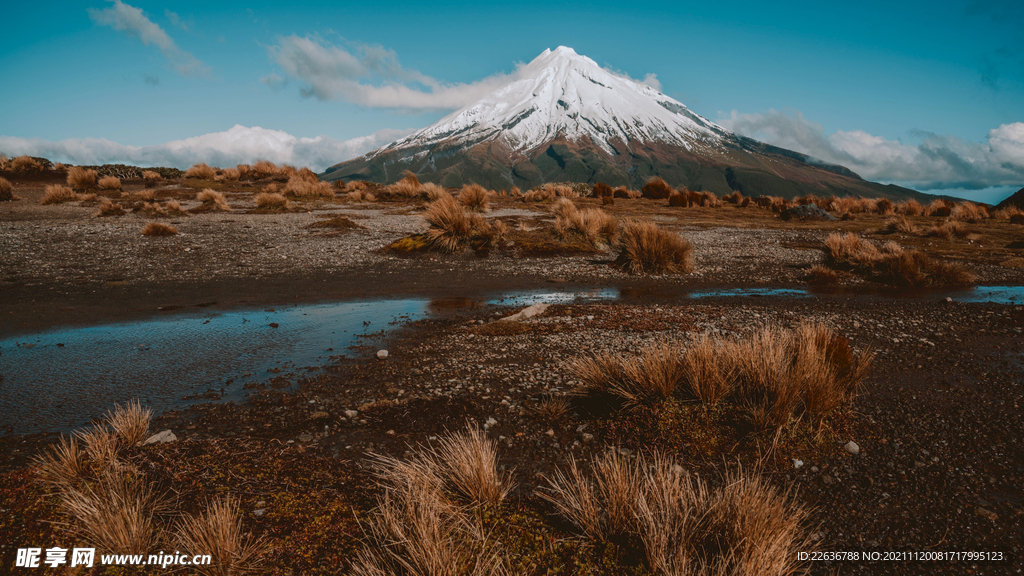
x: 117, y: 514
x: 231, y: 174
x: 81, y: 179
x: 969, y: 212
x: 948, y: 229
x: 656, y: 189
x: 884, y: 206
x: 218, y: 532
x: 269, y: 201
x: 57, y: 194
x: 591, y: 224
x: 820, y: 275
x: 910, y: 208
x: 147, y: 195
x: 678, y: 199
x: 212, y: 201
x: 202, y: 171
x: 475, y: 197
x: 684, y: 525
x: 892, y: 264
x: 646, y: 248
x: 159, y: 229
x: 360, y: 196
x: 421, y: 524
x: 1007, y: 212
x: 773, y: 374
x: 736, y: 197
x: 25, y: 164
x: 900, y: 224
x: 153, y: 209
x: 539, y: 195
x: 600, y: 190
x: 6, y: 190
x: 130, y: 422
x: 431, y: 191
x: 300, y: 187
x: 939, y: 208
x: 109, y: 208
x: 451, y: 227
x: 151, y: 178
x: 408, y: 187
x: 109, y: 183
x: 244, y: 170
x: 550, y: 408
x: 264, y: 169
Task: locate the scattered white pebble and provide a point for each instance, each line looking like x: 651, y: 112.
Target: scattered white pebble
x: 852, y: 447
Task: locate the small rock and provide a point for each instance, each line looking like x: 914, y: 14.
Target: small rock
x: 550, y: 433
x: 319, y: 415
x: 490, y: 422
x: 390, y: 432
x: 528, y: 312
x: 165, y: 437
x: 382, y: 354
x: 590, y: 317
x: 305, y: 438
x: 587, y: 437
x: 274, y: 324
x: 798, y: 464
x: 948, y: 299
x: 852, y: 447
x: 351, y: 414
x: 814, y: 469
x: 856, y: 324
x: 259, y: 512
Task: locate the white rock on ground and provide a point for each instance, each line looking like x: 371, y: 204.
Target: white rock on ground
x: 382, y: 354
x: 852, y: 447
x: 165, y: 437
x: 528, y: 312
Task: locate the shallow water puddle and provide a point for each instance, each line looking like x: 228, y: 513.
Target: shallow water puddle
x: 60, y: 379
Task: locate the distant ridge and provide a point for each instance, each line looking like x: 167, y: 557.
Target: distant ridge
x: 1015, y: 199
x: 564, y: 118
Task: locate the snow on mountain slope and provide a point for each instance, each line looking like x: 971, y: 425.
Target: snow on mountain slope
x: 563, y: 93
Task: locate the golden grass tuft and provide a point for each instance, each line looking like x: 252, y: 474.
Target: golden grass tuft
x: 646, y: 248
x: 117, y: 514
x: 600, y: 190
x: 475, y: 197
x: 271, y: 201
x: 910, y: 208
x: 231, y: 174
x: 81, y: 179
x: 900, y: 224
x: 130, y: 422
x: 360, y: 196
x: 202, y: 171
x: 300, y: 187
x: 949, y: 229
x: 656, y: 189
x: 218, y: 532
x: 109, y: 183
x: 419, y: 528
x: 153, y: 209
x: 969, y: 212
x: 159, y: 229
x: 244, y: 170
x: 64, y: 463
x: 147, y: 195
x: 591, y: 224
x: 939, y: 208
x: 451, y: 227
x: 539, y: 195
x: 212, y: 201
x: 432, y: 191
x: 264, y: 169
x: 25, y: 164
x: 151, y: 178
x: 549, y: 408
x: 56, y: 194
x: 109, y: 208
x: 820, y: 275
x: 6, y: 190
x: 678, y: 199
x: 892, y: 264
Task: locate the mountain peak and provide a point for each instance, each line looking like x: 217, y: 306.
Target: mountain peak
x: 564, y: 94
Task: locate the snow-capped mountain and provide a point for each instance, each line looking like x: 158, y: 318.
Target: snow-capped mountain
x: 564, y: 118
x: 564, y: 94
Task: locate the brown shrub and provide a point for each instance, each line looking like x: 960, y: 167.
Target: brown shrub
x: 302, y: 188
x: 948, y: 229
x: 81, y: 179
x: 849, y: 251
x: 646, y: 248
x: 264, y: 169
x: 159, y: 229
x: 970, y: 212
x: 173, y: 208
x: 231, y: 174
x: 244, y: 170
x: 153, y: 209
x: 515, y: 192
x: 432, y: 191
x: 109, y: 208
x: 656, y: 189
x: 212, y: 201
x: 56, y: 194
x: 591, y: 224
x: 939, y: 208
x: 549, y: 408
x: 910, y: 208
x: 539, y: 195
x: 601, y: 190
x: 202, y: 171
x: 59, y: 166
x: 147, y: 195
x: 677, y: 199
x: 450, y: 226
x: 307, y: 175
x: 361, y: 196
x: 109, y: 183
x: 408, y: 186
x: 6, y: 190
x: 25, y: 164
x: 475, y: 198
x: 272, y: 201
x: 607, y: 200
x: 900, y: 224
x: 736, y: 197
x: 1006, y: 212
x: 884, y: 206
x: 151, y: 178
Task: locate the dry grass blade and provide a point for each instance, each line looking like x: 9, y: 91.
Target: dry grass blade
x: 218, y: 532
x: 707, y: 373
x: 64, y: 463
x: 600, y: 374
x: 654, y: 373
x: 116, y: 514
x: 100, y: 445
x: 130, y: 422
x: 619, y: 485
x: 553, y: 408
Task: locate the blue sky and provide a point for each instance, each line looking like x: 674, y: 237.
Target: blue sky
x: 912, y: 82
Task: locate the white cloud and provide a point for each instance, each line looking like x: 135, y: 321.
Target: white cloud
x: 652, y: 81
x: 134, y: 23
x: 371, y: 76
x: 936, y: 162
x: 235, y: 146
x: 177, y: 20
x: 274, y: 82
